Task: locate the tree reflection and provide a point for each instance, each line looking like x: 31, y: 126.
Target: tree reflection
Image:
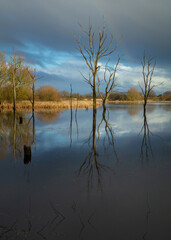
x: 90, y: 163
x: 92, y: 166
x: 108, y: 138
x: 146, y: 148
x: 16, y: 133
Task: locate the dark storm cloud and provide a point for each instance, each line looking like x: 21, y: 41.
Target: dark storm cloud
x: 143, y: 24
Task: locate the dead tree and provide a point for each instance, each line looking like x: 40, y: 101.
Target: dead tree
x: 147, y: 71
x: 110, y: 82
x: 17, y: 75
x: 71, y: 115
x: 13, y: 67
x: 32, y: 74
x: 93, y: 51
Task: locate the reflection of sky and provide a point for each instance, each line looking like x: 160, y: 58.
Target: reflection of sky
x: 126, y: 121
x: 57, y: 133
x: 52, y: 177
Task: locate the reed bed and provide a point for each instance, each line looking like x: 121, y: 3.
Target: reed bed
x: 54, y: 105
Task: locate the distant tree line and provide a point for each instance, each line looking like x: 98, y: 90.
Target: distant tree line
x: 134, y: 95
x: 131, y: 95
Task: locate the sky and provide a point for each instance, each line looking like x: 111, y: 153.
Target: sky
x: 43, y: 32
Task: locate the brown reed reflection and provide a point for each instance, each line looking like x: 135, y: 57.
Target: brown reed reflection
x: 133, y: 110
x: 17, y: 131
x: 47, y: 116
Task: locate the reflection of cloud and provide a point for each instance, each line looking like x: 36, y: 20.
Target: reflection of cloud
x: 127, y: 124
x: 124, y: 132
x: 51, y: 135
x: 56, y: 133
x: 158, y: 118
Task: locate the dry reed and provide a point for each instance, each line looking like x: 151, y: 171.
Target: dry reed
x: 50, y: 105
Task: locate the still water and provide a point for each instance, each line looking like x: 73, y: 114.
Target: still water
x: 89, y: 176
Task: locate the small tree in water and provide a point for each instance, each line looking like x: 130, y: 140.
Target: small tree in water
x: 147, y: 71
x: 110, y: 82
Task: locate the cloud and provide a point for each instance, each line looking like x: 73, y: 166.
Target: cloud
x: 42, y: 30
x: 143, y: 24
x: 71, y: 67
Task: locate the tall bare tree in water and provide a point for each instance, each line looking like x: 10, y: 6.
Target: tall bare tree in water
x: 32, y: 74
x: 147, y: 70
x: 110, y: 82
x: 93, y: 52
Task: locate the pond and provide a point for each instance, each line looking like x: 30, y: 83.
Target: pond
x: 85, y: 175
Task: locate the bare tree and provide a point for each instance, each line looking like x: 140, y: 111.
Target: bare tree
x: 147, y: 71
x: 17, y: 75
x: 93, y: 51
x: 3, y: 68
x: 32, y: 74
x: 110, y: 82
x: 14, y: 64
x: 71, y: 115
x: 3, y: 72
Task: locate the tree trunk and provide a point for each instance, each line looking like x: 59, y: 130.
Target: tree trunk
x: 104, y: 104
x: 71, y: 115
x: 14, y: 93
x: 94, y: 129
x: 144, y: 109
x: 94, y: 91
x: 33, y: 127
x: 14, y: 134
x: 33, y: 96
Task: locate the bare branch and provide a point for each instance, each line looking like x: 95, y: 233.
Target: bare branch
x: 147, y: 72
x: 93, y: 53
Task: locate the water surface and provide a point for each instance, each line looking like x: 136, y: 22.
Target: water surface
x: 101, y: 177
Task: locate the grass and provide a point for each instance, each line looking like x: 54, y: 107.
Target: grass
x: 54, y: 105
x: 63, y: 104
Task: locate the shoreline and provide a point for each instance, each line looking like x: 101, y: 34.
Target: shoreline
x: 135, y: 102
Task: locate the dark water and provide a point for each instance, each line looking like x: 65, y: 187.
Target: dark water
x: 101, y: 177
